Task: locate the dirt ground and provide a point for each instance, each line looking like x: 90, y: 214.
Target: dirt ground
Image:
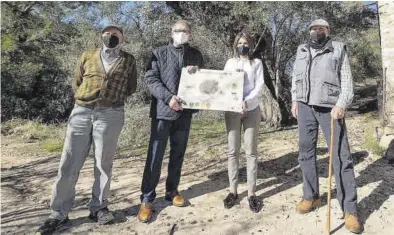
x: 27, y: 178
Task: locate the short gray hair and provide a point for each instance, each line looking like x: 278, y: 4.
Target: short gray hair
x: 184, y: 22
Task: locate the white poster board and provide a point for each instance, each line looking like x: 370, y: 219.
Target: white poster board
x: 212, y: 90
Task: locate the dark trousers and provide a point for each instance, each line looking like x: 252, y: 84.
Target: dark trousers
x: 178, y: 131
x: 309, y: 119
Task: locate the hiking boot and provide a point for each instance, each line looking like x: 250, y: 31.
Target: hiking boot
x: 306, y: 206
x: 352, y: 223
x: 102, y: 216
x: 145, y: 213
x: 230, y: 200
x: 50, y: 226
x: 255, y: 204
x: 175, y: 198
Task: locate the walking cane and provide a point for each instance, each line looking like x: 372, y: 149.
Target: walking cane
x: 329, y: 177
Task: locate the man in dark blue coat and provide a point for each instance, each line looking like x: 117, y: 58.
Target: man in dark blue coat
x: 169, y: 119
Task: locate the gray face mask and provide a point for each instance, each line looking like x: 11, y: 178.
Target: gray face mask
x: 318, y: 37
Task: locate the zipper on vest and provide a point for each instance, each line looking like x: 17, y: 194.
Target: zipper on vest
x: 309, y: 75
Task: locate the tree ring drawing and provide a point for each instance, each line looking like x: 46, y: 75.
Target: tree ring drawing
x: 209, y: 87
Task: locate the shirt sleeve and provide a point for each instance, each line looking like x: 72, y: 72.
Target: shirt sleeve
x: 259, y: 83
x: 79, y: 71
x: 227, y: 65
x: 346, y: 95
x: 132, y: 81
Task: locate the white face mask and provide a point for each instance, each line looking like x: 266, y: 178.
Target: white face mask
x: 179, y: 38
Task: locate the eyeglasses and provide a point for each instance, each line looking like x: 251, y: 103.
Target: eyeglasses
x: 181, y: 31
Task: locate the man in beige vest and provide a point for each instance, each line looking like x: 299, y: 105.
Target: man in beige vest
x: 322, y: 88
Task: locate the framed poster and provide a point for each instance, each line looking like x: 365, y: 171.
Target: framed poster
x: 212, y: 90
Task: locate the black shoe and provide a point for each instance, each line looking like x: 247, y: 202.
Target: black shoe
x: 255, y: 204
x: 50, y: 226
x: 230, y: 200
x: 103, y: 216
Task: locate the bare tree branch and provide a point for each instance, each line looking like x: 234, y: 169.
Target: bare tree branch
x: 261, y: 37
x: 28, y: 7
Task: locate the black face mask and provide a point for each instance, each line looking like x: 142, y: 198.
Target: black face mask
x: 318, y: 37
x: 110, y: 41
x: 243, y: 50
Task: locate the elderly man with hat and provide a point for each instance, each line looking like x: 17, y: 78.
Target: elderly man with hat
x: 104, y: 78
x: 322, y: 88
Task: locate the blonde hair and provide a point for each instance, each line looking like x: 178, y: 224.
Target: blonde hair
x: 184, y: 22
x: 250, y: 41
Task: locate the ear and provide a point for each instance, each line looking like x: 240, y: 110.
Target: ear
x: 126, y: 40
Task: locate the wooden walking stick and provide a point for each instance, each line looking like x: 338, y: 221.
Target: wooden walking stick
x: 329, y: 177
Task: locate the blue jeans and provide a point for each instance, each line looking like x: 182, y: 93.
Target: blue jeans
x: 178, y: 131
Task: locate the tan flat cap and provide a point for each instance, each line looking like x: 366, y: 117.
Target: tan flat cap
x: 319, y: 22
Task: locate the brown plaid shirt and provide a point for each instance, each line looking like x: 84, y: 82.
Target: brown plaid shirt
x: 93, y: 87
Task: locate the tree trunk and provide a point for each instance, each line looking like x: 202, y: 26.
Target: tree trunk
x: 270, y: 109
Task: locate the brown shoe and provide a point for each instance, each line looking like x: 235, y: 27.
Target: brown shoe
x: 145, y: 213
x: 352, y: 223
x: 306, y: 206
x: 175, y: 198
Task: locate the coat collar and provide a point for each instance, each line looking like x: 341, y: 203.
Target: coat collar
x: 328, y: 46
x: 184, y: 46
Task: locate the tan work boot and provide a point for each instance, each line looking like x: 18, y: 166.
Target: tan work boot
x: 145, y: 213
x: 352, y: 223
x: 306, y: 206
x: 175, y: 198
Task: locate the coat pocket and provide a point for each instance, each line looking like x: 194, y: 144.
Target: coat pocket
x: 301, y: 63
x: 329, y: 93
x: 299, y: 89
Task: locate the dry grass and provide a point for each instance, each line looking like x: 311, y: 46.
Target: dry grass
x: 43, y: 137
x: 51, y: 146
x: 370, y: 141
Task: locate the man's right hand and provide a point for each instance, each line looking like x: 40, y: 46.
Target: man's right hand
x: 294, y: 109
x: 175, y: 103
